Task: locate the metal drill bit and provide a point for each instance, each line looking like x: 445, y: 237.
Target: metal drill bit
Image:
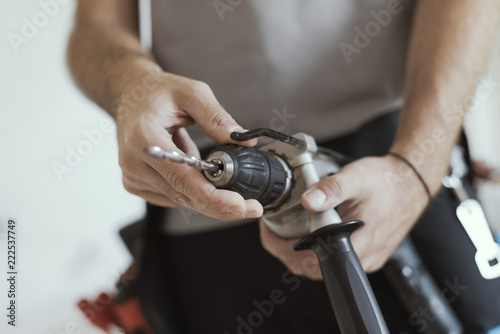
x: 159, y: 153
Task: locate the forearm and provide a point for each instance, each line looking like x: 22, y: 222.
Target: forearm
x: 448, y: 50
x: 106, y: 59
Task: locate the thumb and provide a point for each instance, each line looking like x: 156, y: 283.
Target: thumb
x: 212, y: 118
x: 330, y: 192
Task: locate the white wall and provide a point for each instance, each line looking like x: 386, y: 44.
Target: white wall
x: 67, y: 231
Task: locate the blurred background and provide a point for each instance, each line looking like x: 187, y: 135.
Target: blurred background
x: 68, y: 218
x: 67, y: 221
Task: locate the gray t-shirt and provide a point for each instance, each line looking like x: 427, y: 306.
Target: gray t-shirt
x: 316, y: 66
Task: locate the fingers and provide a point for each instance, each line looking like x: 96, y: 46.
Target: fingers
x: 301, y: 263
x: 190, y: 189
x: 187, y: 186
x: 200, y: 103
x: 182, y: 184
x: 173, y: 184
x: 332, y: 191
x: 156, y: 199
x: 183, y: 141
x: 149, y: 192
x: 203, y: 196
x: 154, y: 188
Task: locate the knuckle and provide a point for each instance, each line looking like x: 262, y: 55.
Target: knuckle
x: 164, y: 188
x: 200, y: 89
x: 178, y: 197
x: 176, y: 179
x: 210, y: 201
x: 206, y: 205
x: 218, y: 119
x: 165, y: 202
x: 334, y: 187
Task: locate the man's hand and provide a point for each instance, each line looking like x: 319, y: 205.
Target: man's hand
x: 437, y: 81
x: 301, y: 263
x: 150, y: 107
x: 159, y: 120
x: 383, y: 192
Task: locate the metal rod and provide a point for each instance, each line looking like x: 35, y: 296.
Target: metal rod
x: 159, y: 153
x: 264, y: 132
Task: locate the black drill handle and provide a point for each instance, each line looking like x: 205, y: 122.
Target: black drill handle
x: 351, y: 295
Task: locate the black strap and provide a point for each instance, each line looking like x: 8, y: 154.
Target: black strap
x: 400, y: 157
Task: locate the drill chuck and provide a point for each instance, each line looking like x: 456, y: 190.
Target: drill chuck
x: 253, y: 173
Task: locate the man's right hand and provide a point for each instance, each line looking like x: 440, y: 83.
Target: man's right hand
x: 159, y: 120
x: 150, y: 107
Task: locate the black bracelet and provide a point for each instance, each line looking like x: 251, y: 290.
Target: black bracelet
x: 400, y: 157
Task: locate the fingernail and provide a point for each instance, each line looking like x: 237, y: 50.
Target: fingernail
x: 238, y: 129
x: 254, y: 209
x: 316, y: 197
x: 235, y: 208
x: 253, y: 214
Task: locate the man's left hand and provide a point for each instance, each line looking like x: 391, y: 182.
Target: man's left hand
x: 381, y: 191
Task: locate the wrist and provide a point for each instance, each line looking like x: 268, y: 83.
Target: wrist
x: 429, y: 165
x: 132, y: 82
x: 402, y: 180
x: 414, y: 170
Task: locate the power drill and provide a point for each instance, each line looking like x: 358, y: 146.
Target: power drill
x: 276, y: 175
